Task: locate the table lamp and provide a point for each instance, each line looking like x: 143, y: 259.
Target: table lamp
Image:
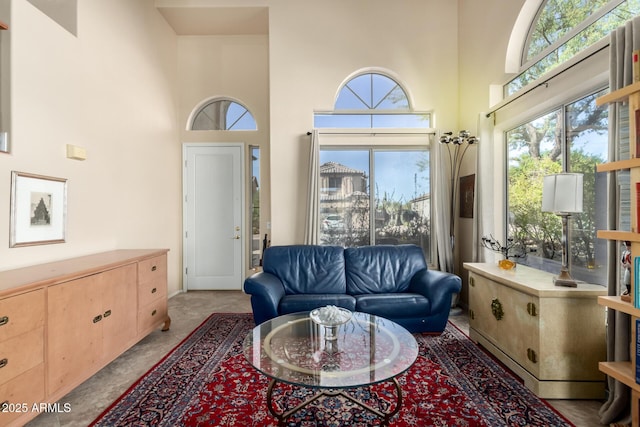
x: 562, y: 195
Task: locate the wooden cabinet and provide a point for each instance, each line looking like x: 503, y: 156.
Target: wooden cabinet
x: 61, y: 322
x: 21, y: 353
x: 625, y: 371
x: 152, y: 293
x: 100, y: 310
x: 551, y: 337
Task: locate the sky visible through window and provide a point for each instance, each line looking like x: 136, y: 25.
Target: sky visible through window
x: 372, y: 100
x: 391, y: 170
x: 377, y: 93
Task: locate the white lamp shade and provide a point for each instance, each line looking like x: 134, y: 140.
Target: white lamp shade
x: 562, y: 193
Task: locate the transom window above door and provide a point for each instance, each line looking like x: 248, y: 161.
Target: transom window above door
x: 223, y: 114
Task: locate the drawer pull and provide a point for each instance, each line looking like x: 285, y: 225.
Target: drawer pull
x: 154, y: 290
x: 154, y: 268
x: 472, y: 314
x: 531, y: 355
x: 496, y: 309
x: 472, y: 282
x: 4, y: 320
x: 97, y: 318
x: 153, y: 313
x: 107, y: 313
x: 4, y: 362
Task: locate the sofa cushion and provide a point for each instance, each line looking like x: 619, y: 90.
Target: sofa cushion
x: 306, y: 269
x: 296, y: 303
x: 382, y: 268
x: 393, y: 305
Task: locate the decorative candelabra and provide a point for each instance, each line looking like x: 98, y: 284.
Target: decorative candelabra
x: 494, y: 244
x: 461, y: 144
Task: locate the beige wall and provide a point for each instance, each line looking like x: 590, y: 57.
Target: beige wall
x: 124, y: 92
x: 111, y: 90
x: 316, y: 46
x: 484, y: 31
x: 235, y: 67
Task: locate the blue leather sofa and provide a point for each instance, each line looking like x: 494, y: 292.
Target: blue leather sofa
x: 390, y: 281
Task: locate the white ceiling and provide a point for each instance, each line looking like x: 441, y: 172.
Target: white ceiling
x: 199, y: 21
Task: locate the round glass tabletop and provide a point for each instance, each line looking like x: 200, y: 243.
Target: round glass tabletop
x: 365, y: 350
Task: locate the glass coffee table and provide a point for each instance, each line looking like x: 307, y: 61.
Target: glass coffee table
x: 367, y: 349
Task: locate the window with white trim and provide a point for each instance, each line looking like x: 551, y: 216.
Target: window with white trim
x: 374, y: 167
x: 563, y: 28
x: 223, y: 114
x: 372, y: 100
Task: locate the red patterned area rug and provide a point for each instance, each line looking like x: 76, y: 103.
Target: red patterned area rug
x: 206, y: 381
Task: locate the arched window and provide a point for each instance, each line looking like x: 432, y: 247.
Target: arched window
x: 372, y: 100
x: 374, y: 186
x: 563, y: 28
x: 223, y: 114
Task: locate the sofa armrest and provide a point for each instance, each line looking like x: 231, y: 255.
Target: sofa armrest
x: 266, y: 291
x: 437, y: 286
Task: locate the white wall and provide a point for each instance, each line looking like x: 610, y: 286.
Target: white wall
x: 111, y: 90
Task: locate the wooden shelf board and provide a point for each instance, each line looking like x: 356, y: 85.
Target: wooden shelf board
x: 618, y: 95
x: 618, y: 235
x: 618, y: 165
x: 622, y: 371
x: 616, y: 303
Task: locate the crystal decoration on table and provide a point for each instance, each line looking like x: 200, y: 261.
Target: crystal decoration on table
x: 330, y: 317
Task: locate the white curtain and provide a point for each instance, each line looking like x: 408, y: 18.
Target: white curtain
x: 442, y: 201
x: 623, y: 41
x: 312, y: 226
x: 483, y: 220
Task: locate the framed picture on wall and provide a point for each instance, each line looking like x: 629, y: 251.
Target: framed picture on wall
x: 467, y: 186
x: 38, y: 209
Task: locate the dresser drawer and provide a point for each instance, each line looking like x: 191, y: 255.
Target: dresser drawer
x: 151, y: 315
x: 21, y: 313
x: 152, y: 279
x: 152, y: 269
x: 149, y: 292
x: 21, y: 353
x: 18, y: 396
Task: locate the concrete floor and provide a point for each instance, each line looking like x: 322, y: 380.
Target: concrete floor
x: 187, y: 311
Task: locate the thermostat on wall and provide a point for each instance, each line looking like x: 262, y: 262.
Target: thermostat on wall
x: 76, y: 153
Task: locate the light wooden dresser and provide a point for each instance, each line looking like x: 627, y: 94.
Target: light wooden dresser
x: 550, y: 336
x: 63, y: 321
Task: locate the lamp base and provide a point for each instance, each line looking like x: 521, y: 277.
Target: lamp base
x: 565, y: 279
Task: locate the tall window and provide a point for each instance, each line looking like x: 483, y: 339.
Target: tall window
x: 562, y: 29
x: 573, y: 138
x: 256, y: 238
x: 223, y: 114
x: 374, y: 192
x: 372, y: 196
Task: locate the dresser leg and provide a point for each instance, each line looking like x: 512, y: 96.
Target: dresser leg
x: 167, y: 324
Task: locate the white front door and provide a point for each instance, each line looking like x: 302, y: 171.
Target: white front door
x: 213, y: 216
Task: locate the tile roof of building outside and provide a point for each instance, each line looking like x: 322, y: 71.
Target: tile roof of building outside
x: 333, y: 167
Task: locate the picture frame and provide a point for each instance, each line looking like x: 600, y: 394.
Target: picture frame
x: 467, y: 189
x: 38, y: 209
